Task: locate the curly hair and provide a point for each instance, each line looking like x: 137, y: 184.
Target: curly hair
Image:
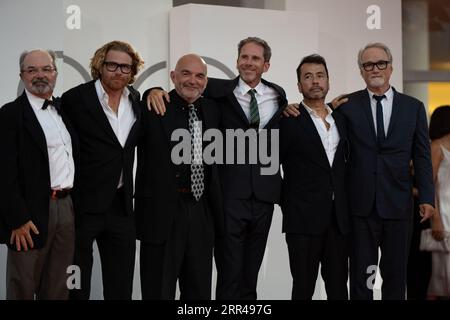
x: 99, y: 58
x: 440, y: 122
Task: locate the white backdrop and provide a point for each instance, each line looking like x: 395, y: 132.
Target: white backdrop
x: 75, y: 29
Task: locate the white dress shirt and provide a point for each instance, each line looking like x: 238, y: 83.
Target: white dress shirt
x: 59, y: 144
x: 387, y: 109
x: 122, y: 121
x: 330, y: 137
x: 266, y: 97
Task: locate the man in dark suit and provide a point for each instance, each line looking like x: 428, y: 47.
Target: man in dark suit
x: 178, y: 204
x: 37, y: 170
x: 105, y: 113
x: 387, y: 130
x: 314, y: 199
x: 248, y: 103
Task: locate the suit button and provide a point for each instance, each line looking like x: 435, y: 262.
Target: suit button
x: 177, y: 175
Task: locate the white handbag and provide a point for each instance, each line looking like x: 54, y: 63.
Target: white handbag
x: 428, y: 243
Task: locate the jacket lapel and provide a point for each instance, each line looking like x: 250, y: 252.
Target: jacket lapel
x: 365, y: 102
x: 232, y: 98
x: 31, y: 123
x: 96, y: 110
x: 169, y: 121
x: 282, y: 102
x: 134, y: 98
x: 308, y: 126
x: 342, y: 147
x: 394, y: 114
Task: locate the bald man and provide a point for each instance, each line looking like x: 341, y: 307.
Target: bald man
x: 178, y: 205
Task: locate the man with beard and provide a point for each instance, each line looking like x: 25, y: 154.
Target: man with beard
x: 387, y: 130
x: 313, y: 154
x: 37, y: 170
x: 105, y: 113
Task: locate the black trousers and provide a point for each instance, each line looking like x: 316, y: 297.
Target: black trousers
x: 115, y: 234
x: 392, y: 237
x: 239, y: 253
x: 306, y: 252
x: 186, y: 256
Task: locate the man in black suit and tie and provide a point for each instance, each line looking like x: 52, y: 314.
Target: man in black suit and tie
x: 178, y: 203
x: 106, y: 113
x: 37, y: 170
x: 387, y: 130
x: 248, y: 103
x: 314, y: 198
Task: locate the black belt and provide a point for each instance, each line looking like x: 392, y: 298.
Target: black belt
x: 59, y: 194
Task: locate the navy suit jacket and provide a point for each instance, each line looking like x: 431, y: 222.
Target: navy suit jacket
x: 381, y: 174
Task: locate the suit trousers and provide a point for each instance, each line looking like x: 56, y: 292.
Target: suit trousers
x: 42, y: 273
x: 186, y: 256
x: 392, y: 237
x: 240, y: 252
x: 306, y: 252
x: 115, y: 234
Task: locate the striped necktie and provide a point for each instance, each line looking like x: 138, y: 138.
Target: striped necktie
x: 254, y: 113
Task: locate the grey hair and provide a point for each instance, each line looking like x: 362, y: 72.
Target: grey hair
x: 27, y: 52
x: 378, y: 45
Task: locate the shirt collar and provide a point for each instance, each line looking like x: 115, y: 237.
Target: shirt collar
x: 245, y: 88
x: 35, y: 101
x: 103, y: 95
x: 313, y: 113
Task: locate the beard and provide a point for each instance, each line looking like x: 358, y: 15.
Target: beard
x: 315, y: 95
x: 376, y: 82
x: 42, y: 86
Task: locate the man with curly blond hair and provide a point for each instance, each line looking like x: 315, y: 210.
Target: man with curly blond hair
x: 106, y: 115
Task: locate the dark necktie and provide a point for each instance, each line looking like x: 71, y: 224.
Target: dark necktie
x: 197, y: 171
x: 254, y: 112
x: 55, y: 102
x: 380, y: 120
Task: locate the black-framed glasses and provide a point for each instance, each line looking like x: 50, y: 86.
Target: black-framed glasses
x: 32, y: 71
x: 381, y: 65
x: 112, y: 66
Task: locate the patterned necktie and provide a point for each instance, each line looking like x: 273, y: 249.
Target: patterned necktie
x: 254, y: 113
x: 197, y: 171
x: 380, y: 121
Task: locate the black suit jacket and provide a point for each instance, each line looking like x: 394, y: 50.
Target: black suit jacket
x: 156, y: 196
x: 241, y: 181
x: 102, y: 158
x: 382, y: 173
x: 309, y: 181
x: 24, y: 166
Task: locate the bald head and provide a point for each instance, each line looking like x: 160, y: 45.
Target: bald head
x: 190, y: 77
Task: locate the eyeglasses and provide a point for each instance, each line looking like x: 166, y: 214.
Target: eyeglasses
x: 32, y: 71
x: 112, y: 66
x: 381, y: 65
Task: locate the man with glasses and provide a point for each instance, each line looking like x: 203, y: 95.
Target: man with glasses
x: 37, y: 174
x: 387, y: 130
x: 106, y: 114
